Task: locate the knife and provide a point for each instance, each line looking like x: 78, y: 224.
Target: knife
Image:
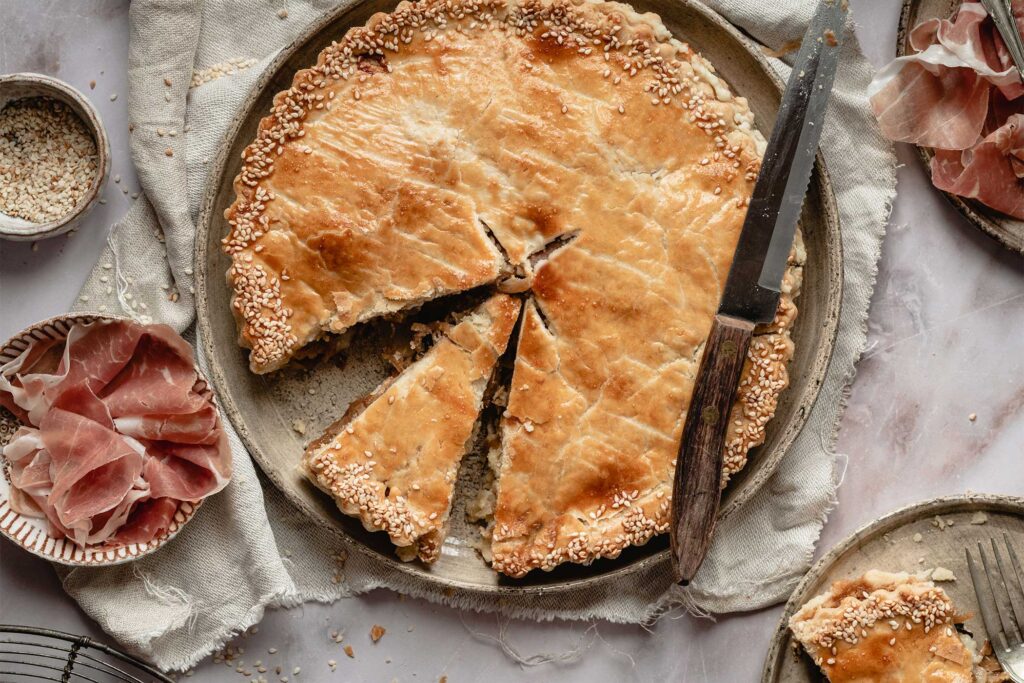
x: 752, y: 289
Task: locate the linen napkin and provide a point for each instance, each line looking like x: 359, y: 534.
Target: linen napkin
x: 191, y: 64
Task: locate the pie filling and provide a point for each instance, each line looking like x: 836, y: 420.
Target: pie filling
x: 569, y: 153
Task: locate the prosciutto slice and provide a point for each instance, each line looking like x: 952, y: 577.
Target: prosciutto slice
x: 990, y: 171
x: 958, y: 94
x: 116, y: 433
x: 158, y: 381
x: 30, y: 471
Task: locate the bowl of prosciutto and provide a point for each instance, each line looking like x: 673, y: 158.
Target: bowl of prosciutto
x: 110, y: 438
x: 955, y: 92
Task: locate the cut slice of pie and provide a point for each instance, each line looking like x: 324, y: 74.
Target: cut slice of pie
x: 886, y: 628
x: 593, y: 421
x: 392, y: 461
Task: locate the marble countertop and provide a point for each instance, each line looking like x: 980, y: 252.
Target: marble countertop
x: 944, y: 343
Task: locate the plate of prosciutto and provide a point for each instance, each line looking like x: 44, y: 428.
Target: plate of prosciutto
x: 111, y: 439
x: 954, y: 92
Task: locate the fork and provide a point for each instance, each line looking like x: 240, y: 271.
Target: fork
x: 1002, y: 16
x: 997, y: 584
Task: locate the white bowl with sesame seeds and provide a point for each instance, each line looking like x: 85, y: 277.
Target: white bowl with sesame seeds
x: 54, y: 156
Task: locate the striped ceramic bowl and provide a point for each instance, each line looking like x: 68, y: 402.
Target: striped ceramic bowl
x: 31, y: 533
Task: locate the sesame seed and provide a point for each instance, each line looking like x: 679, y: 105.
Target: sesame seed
x: 220, y: 70
x: 48, y: 159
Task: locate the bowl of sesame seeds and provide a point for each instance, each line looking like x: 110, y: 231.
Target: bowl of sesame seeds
x: 54, y: 156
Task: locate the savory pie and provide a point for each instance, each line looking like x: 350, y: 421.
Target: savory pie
x: 392, y: 460
x: 571, y: 152
x: 887, y: 628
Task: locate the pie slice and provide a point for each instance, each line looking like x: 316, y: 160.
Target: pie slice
x: 392, y: 461
x: 886, y: 628
x: 593, y: 421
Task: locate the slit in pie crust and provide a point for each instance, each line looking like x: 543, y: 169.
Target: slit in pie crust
x: 570, y: 151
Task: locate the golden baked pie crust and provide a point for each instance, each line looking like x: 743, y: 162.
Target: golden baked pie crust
x: 884, y: 627
x: 394, y: 463
x: 447, y: 145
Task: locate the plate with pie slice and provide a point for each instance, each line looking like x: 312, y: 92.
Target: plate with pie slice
x: 1004, y: 228
x: 894, y: 601
x: 455, y: 270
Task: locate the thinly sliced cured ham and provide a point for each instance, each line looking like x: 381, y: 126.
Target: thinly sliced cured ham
x: 939, y: 96
x: 198, y: 427
x: 92, y: 466
x: 958, y: 94
x: 922, y: 101
x: 29, y: 471
x: 991, y: 171
x: 183, y: 472
x: 116, y: 432
x: 148, y: 520
x: 20, y: 384
x: 158, y: 381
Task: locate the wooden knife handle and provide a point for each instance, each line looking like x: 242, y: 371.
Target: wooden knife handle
x: 698, y: 481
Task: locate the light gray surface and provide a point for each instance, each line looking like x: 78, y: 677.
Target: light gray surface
x: 944, y: 343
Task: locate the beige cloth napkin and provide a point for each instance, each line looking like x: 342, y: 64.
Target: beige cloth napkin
x: 247, y: 548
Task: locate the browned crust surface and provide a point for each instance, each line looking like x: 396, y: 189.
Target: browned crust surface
x: 884, y: 627
x: 394, y: 464
x: 448, y: 143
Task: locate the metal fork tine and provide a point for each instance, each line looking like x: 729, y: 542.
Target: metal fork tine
x: 986, y: 601
x: 995, y: 581
x: 1007, y: 613
x: 1012, y: 575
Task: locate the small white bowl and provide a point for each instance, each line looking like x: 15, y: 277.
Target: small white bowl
x: 17, y: 86
x: 32, y: 533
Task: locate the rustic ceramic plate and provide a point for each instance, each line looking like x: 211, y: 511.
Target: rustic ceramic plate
x: 1005, y: 229
x: 888, y: 544
x: 31, y: 532
x: 264, y: 409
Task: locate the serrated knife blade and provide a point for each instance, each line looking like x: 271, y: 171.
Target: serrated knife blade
x: 751, y: 293
x: 755, y: 277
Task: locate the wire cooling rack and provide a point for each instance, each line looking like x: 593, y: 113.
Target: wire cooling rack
x: 38, y: 654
